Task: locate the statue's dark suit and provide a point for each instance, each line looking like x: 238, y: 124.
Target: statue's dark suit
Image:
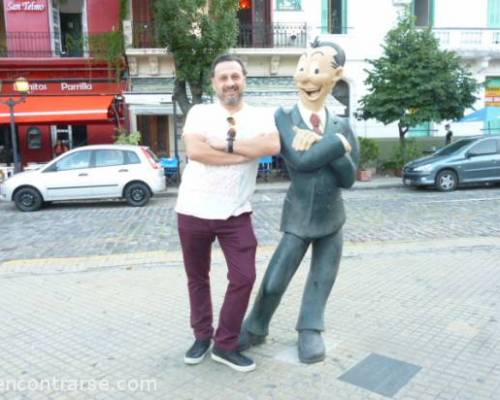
x: 313, y: 213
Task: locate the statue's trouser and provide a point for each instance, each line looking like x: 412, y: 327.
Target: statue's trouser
x: 326, y: 254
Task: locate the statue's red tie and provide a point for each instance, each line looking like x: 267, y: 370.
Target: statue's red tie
x: 316, y: 123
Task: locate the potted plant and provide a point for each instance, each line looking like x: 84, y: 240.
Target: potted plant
x: 369, y: 152
x: 401, y: 155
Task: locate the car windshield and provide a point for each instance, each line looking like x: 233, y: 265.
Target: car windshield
x: 453, y: 147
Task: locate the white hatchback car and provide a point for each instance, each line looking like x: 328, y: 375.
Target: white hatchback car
x: 89, y: 172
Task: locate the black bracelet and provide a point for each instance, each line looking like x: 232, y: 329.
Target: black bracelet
x: 230, y: 142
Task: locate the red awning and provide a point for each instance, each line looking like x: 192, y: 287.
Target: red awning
x: 55, y: 109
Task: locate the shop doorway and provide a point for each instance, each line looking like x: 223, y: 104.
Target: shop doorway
x: 71, y: 135
x: 155, y: 133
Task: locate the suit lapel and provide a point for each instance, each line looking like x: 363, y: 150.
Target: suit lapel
x: 297, y: 118
x: 331, y: 123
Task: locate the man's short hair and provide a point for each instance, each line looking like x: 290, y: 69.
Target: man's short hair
x: 339, y: 58
x: 225, y: 58
x: 447, y: 126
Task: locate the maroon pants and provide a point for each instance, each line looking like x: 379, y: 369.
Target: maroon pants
x: 238, y: 243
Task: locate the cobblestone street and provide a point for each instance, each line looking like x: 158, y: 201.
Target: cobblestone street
x: 96, y: 293
x: 85, y: 229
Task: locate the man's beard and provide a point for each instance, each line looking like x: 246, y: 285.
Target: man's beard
x: 232, y: 100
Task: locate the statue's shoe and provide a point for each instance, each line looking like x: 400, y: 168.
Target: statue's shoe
x: 248, y: 339
x: 311, y: 347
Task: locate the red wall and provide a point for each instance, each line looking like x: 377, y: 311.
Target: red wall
x: 103, y: 18
x: 100, y: 134
x: 96, y: 134
x: 38, y: 155
x: 27, y: 30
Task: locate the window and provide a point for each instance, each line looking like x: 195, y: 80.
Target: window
x: 483, y: 148
x: 493, y: 13
x: 77, y: 160
x: 423, y: 10
x: 132, y: 158
x: 34, y: 136
x: 108, y: 158
x: 287, y: 5
x: 334, y: 16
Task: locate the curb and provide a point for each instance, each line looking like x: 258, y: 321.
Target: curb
x: 283, y: 187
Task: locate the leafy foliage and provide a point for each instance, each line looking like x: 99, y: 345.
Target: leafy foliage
x: 415, y: 82
x: 124, y: 137
x: 369, y: 152
x: 195, y: 32
x: 403, y: 154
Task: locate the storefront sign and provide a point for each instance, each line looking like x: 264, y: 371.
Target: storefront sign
x: 67, y: 88
x: 492, y: 92
x: 32, y: 6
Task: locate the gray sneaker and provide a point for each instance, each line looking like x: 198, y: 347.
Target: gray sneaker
x: 197, y: 351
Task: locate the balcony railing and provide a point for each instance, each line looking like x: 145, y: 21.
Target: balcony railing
x: 143, y: 35
x: 41, y: 44
x: 469, y: 41
x: 47, y: 44
x: 272, y: 35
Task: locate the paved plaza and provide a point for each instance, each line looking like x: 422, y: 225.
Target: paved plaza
x: 94, y: 304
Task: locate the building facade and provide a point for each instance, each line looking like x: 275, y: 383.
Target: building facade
x: 75, y: 94
x: 471, y: 29
x: 75, y: 91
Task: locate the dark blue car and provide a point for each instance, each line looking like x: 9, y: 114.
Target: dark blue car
x: 470, y: 160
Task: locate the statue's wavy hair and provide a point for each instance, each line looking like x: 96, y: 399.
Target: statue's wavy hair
x: 339, y: 58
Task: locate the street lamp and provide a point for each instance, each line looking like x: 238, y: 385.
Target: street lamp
x: 21, y: 86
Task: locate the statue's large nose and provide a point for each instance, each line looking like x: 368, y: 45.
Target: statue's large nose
x: 301, y: 76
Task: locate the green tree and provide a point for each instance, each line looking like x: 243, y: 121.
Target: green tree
x: 195, y: 32
x: 414, y: 81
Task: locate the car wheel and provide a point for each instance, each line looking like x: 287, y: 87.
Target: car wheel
x: 137, y: 194
x: 446, y: 181
x: 28, y: 199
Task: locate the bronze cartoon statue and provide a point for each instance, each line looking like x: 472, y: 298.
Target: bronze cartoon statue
x: 321, y: 154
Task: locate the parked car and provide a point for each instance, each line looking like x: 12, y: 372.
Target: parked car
x: 89, y: 172
x: 470, y: 160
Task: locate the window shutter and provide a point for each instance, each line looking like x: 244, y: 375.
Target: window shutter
x: 493, y: 13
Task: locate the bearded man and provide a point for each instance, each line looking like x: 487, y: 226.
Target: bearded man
x: 223, y: 141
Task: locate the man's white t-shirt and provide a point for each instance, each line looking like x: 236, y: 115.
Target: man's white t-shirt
x: 219, y: 192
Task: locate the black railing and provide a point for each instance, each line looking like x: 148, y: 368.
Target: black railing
x: 47, y: 44
x: 272, y: 35
x: 249, y: 36
x: 28, y: 44
x: 144, y: 35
